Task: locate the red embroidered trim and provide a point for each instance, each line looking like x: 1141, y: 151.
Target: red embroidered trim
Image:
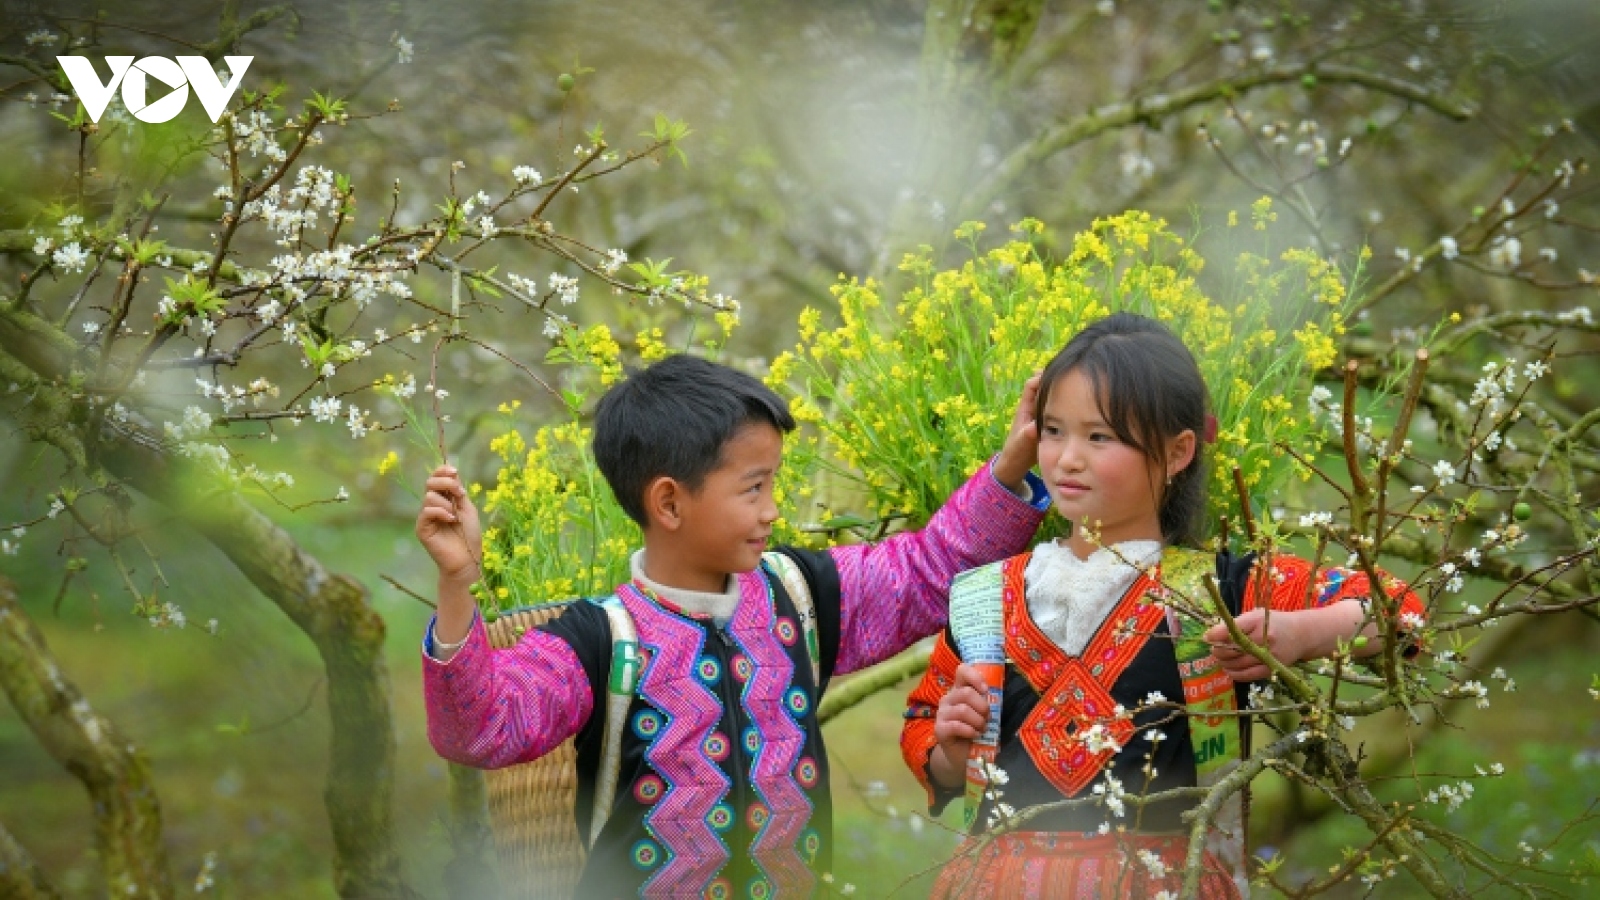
x: 1078, y: 695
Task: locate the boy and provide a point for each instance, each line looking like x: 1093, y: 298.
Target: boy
x: 721, y: 768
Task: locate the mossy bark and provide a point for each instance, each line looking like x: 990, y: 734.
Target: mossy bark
x: 127, y: 813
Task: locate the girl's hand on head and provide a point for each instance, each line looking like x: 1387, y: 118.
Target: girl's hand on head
x: 1021, y: 449
x: 1281, y: 638
x: 962, y: 715
x: 448, y: 526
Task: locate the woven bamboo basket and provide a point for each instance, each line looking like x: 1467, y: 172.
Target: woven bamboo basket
x: 531, y: 804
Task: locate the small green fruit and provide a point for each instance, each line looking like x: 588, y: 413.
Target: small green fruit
x: 1522, y: 512
x: 1308, y: 81
x: 566, y: 83
x: 490, y: 615
x: 1359, y: 642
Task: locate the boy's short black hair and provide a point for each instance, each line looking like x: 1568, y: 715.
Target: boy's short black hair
x: 672, y: 419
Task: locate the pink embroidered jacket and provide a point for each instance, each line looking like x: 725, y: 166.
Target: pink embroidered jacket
x: 723, y: 748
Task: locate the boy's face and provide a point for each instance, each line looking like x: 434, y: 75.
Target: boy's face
x: 726, y: 523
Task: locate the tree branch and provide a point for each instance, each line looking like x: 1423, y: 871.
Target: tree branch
x: 1154, y: 107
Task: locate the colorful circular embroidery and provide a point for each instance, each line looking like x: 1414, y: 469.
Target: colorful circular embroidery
x: 743, y: 668
x: 757, y: 816
x: 646, y: 854
x: 721, y: 817
x: 810, y: 844
x: 708, y: 670
x: 752, y: 740
x: 759, y: 889
x: 798, y: 702
x: 647, y: 724
x: 786, y: 630
x: 806, y: 773
x: 648, y: 789
x: 721, y: 889
x: 717, y: 746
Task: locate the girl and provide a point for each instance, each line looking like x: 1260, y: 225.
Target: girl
x: 1095, y: 686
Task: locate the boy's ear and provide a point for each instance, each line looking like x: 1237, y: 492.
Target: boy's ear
x: 1180, y: 452
x: 663, y: 498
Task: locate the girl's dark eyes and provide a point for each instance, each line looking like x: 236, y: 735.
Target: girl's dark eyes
x: 1101, y: 436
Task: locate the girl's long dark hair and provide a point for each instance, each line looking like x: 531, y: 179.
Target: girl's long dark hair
x: 1149, y: 391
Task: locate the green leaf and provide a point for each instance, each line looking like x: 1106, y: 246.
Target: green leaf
x: 669, y: 132
x: 327, y: 106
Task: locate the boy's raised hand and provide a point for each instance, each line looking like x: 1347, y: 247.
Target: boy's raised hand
x: 1021, y: 449
x: 448, y: 527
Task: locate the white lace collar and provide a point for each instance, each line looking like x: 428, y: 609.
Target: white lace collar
x: 1069, y: 597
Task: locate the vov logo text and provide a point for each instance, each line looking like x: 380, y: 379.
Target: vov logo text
x: 134, y: 79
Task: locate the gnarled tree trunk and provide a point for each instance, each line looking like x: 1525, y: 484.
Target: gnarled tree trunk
x: 127, y: 814
x: 333, y: 610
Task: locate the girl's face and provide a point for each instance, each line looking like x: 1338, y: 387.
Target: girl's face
x: 1095, y: 479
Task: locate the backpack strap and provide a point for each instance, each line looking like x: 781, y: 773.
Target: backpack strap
x: 799, y: 590
x: 620, y: 686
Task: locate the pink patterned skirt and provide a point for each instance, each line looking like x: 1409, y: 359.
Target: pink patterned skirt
x: 1060, y: 865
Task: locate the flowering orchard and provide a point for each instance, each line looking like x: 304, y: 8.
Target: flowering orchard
x: 163, y: 370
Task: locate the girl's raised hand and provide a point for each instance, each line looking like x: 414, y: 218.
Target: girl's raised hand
x: 1021, y: 449
x: 448, y: 527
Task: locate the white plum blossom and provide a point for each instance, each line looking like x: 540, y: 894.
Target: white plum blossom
x: 1448, y: 248
x: 356, y: 423
x: 70, y: 258
x: 1445, y: 472
x: 1153, y: 863
x: 1111, y: 793
x: 526, y: 175
x: 1450, y: 796
x: 1506, y: 252
x: 1316, y: 519
x: 325, y: 409
x: 403, y: 50
x: 565, y: 288
x: 1477, y: 689
x: 614, y: 260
